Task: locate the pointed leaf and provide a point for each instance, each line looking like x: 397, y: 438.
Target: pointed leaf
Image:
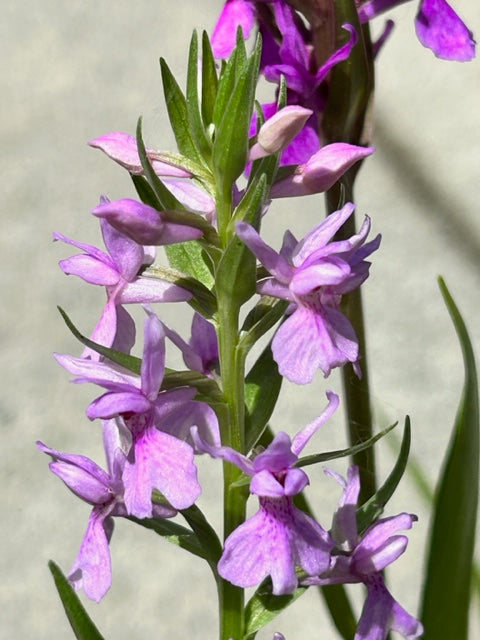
x: 262, y: 386
x: 373, y: 508
x: 178, y: 114
x: 80, y: 621
x: 195, y: 121
x: 209, y: 81
x: 446, y: 596
x: 263, y: 607
x: 165, y: 198
x: 230, y: 148
x: 317, y: 458
x: 174, y: 533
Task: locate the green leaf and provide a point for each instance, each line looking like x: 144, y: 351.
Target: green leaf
x: 230, y: 147
x: 373, y: 508
x: 262, y: 386
x: 190, y: 258
x: 178, y: 114
x: 132, y: 363
x: 166, y: 200
x: 226, y: 84
x: 446, y: 594
x: 205, y: 534
x: 266, y: 313
x: 263, y: 607
x: 197, y: 128
x: 317, y: 458
x: 174, y: 533
x: 80, y: 621
x: 209, y: 81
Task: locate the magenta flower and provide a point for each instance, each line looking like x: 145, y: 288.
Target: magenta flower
x: 144, y: 224
x: 119, y: 271
x: 155, y: 424
x: 200, y: 353
x: 437, y: 25
x: 362, y: 559
x: 279, y: 537
x: 92, y: 568
x: 122, y: 148
x: 321, y: 171
x: 313, y: 275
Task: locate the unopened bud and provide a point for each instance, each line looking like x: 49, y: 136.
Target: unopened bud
x: 279, y: 130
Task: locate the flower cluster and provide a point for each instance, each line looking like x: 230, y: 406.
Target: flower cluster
x: 205, y: 206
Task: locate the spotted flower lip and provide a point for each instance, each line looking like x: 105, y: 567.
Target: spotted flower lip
x: 313, y: 275
x: 279, y: 536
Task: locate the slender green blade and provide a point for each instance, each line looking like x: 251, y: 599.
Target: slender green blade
x: 80, y: 621
x: 178, y: 114
x: 209, y: 81
x: 373, y: 507
x: 263, y: 607
x: 446, y: 594
x: 197, y: 127
x: 262, y: 387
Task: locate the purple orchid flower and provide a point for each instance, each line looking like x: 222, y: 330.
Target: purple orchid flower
x: 200, y: 353
x: 321, y: 171
x: 92, y: 569
x: 155, y: 424
x: 362, y: 559
x: 279, y: 536
x: 437, y: 25
x: 122, y: 148
x: 118, y: 271
x: 144, y: 224
x: 313, y: 274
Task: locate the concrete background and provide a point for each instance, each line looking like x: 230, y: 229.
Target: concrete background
x: 73, y: 71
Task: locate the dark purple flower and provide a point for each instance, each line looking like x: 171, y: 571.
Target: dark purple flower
x: 156, y: 423
x: 313, y: 275
x: 279, y: 537
x: 104, y: 490
x: 119, y: 271
x: 362, y: 559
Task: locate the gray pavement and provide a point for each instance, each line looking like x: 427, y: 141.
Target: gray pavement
x: 73, y: 71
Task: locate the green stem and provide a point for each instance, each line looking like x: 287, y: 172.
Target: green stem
x: 233, y: 435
